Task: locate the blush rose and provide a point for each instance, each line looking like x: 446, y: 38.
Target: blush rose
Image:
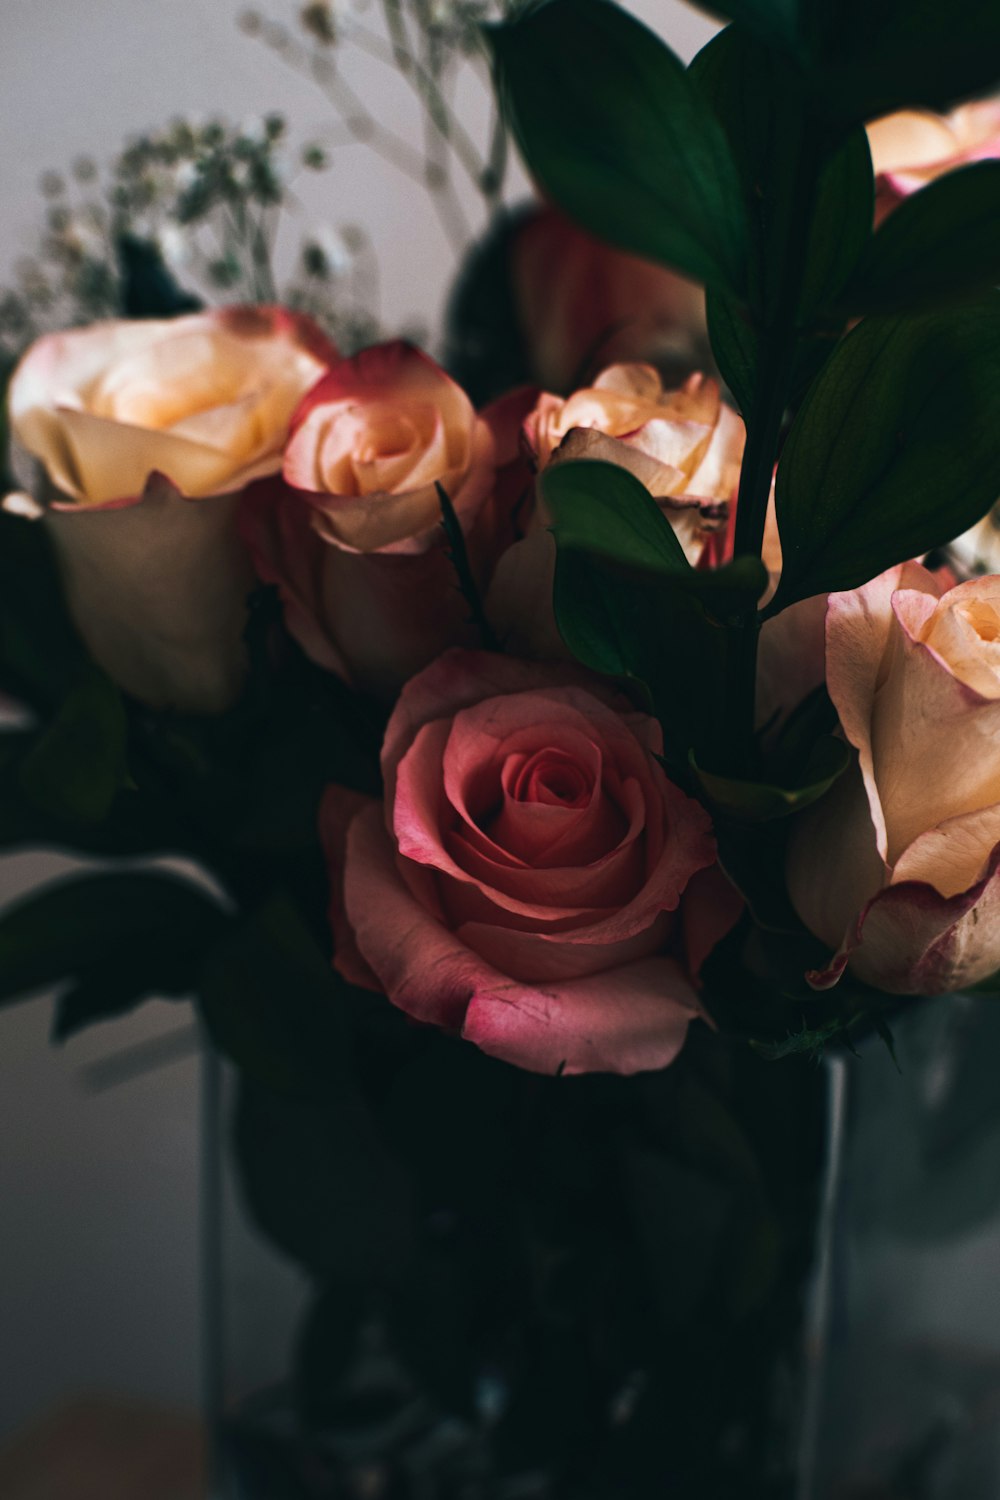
x: 352, y: 537
x: 898, y: 868
x: 913, y: 147
x: 145, y: 433
x: 532, y: 880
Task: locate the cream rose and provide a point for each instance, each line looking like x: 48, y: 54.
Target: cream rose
x: 912, y: 147
x: 897, y: 869
x: 145, y: 434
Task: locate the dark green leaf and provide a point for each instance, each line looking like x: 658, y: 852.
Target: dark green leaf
x: 873, y: 56
x: 896, y: 448
x: 797, y: 176
x: 937, y: 245
x: 120, y: 937
x: 628, y: 604
x: 841, y: 227
x: 809, y: 1041
x: 600, y: 507
x: 318, y: 1178
x: 773, y: 21
x: 734, y: 345
x: 617, y: 134
x: 41, y: 655
x: 77, y: 766
x: 759, y: 802
x: 147, y: 288
x: 270, y: 998
x: 7, y: 481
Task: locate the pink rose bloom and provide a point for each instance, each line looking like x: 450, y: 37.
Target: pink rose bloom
x: 583, y: 304
x: 145, y: 433
x: 353, y: 538
x: 909, y: 149
x: 532, y: 881
x: 897, y: 868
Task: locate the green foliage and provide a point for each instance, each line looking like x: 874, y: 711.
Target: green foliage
x: 894, y: 450
x: 862, y: 58
x: 615, y: 132
x: 938, y: 245
x: 114, y: 939
x: 147, y: 289
x: 629, y: 605
x: 41, y: 656
x: 760, y: 802
x: 77, y: 764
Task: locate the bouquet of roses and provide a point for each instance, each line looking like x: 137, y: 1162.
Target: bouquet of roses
x: 545, y: 762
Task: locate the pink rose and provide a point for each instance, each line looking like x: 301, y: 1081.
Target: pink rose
x: 583, y: 304
x: 909, y: 149
x: 685, y: 446
x: 897, y: 868
x: 533, y: 881
x: 353, y: 537
x: 145, y: 434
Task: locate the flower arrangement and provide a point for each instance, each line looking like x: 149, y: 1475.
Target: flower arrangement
x: 579, y: 734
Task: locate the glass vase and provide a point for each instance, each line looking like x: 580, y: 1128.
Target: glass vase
x: 438, y: 1278
x: 905, y: 1393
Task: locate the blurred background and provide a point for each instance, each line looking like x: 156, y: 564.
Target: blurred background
x: 99, y: 1162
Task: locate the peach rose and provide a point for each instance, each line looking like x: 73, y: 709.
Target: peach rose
x: 353, y: 537
x: 897, y: 868
x: 145, y: 434
x: 582, y: 304
x: 685, y: 446
x: 532, y: 881
x: 909, y: 149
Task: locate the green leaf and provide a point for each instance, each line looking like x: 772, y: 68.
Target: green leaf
x: 41, y: 655
x: 810, y: 1041
x: 773, y: 21
x: 616, y: 133
x: 628, y: 603
x: 78, y: 763
x: 894, y: 451
x: 318, y: 1179
x: 271, y: 1000
x: 937, y: 245
x: 148, y: 290
x: 119, y: 937
x: 841, y: 227
x: 759, y: 802
x: 734, y: 343
x: 862, y: 58
x: 790, y: 166
x: 873, y: 56
x: 601, y: 507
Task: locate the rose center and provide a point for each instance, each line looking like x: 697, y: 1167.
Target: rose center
x: 552, y: 777
x: 983, y: 620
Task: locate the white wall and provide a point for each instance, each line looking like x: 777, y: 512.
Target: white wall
x: 98, y: 1271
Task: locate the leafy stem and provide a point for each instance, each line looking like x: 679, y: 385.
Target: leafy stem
x: 784, y: 245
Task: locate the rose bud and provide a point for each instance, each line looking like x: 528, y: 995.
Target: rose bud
x: 146, y: 433
x: 909, y: 149
x: 582, y: 304
x: 896, y: 868
x: 532, y: 880
x: 353, y: 536
x: 686, y: 448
